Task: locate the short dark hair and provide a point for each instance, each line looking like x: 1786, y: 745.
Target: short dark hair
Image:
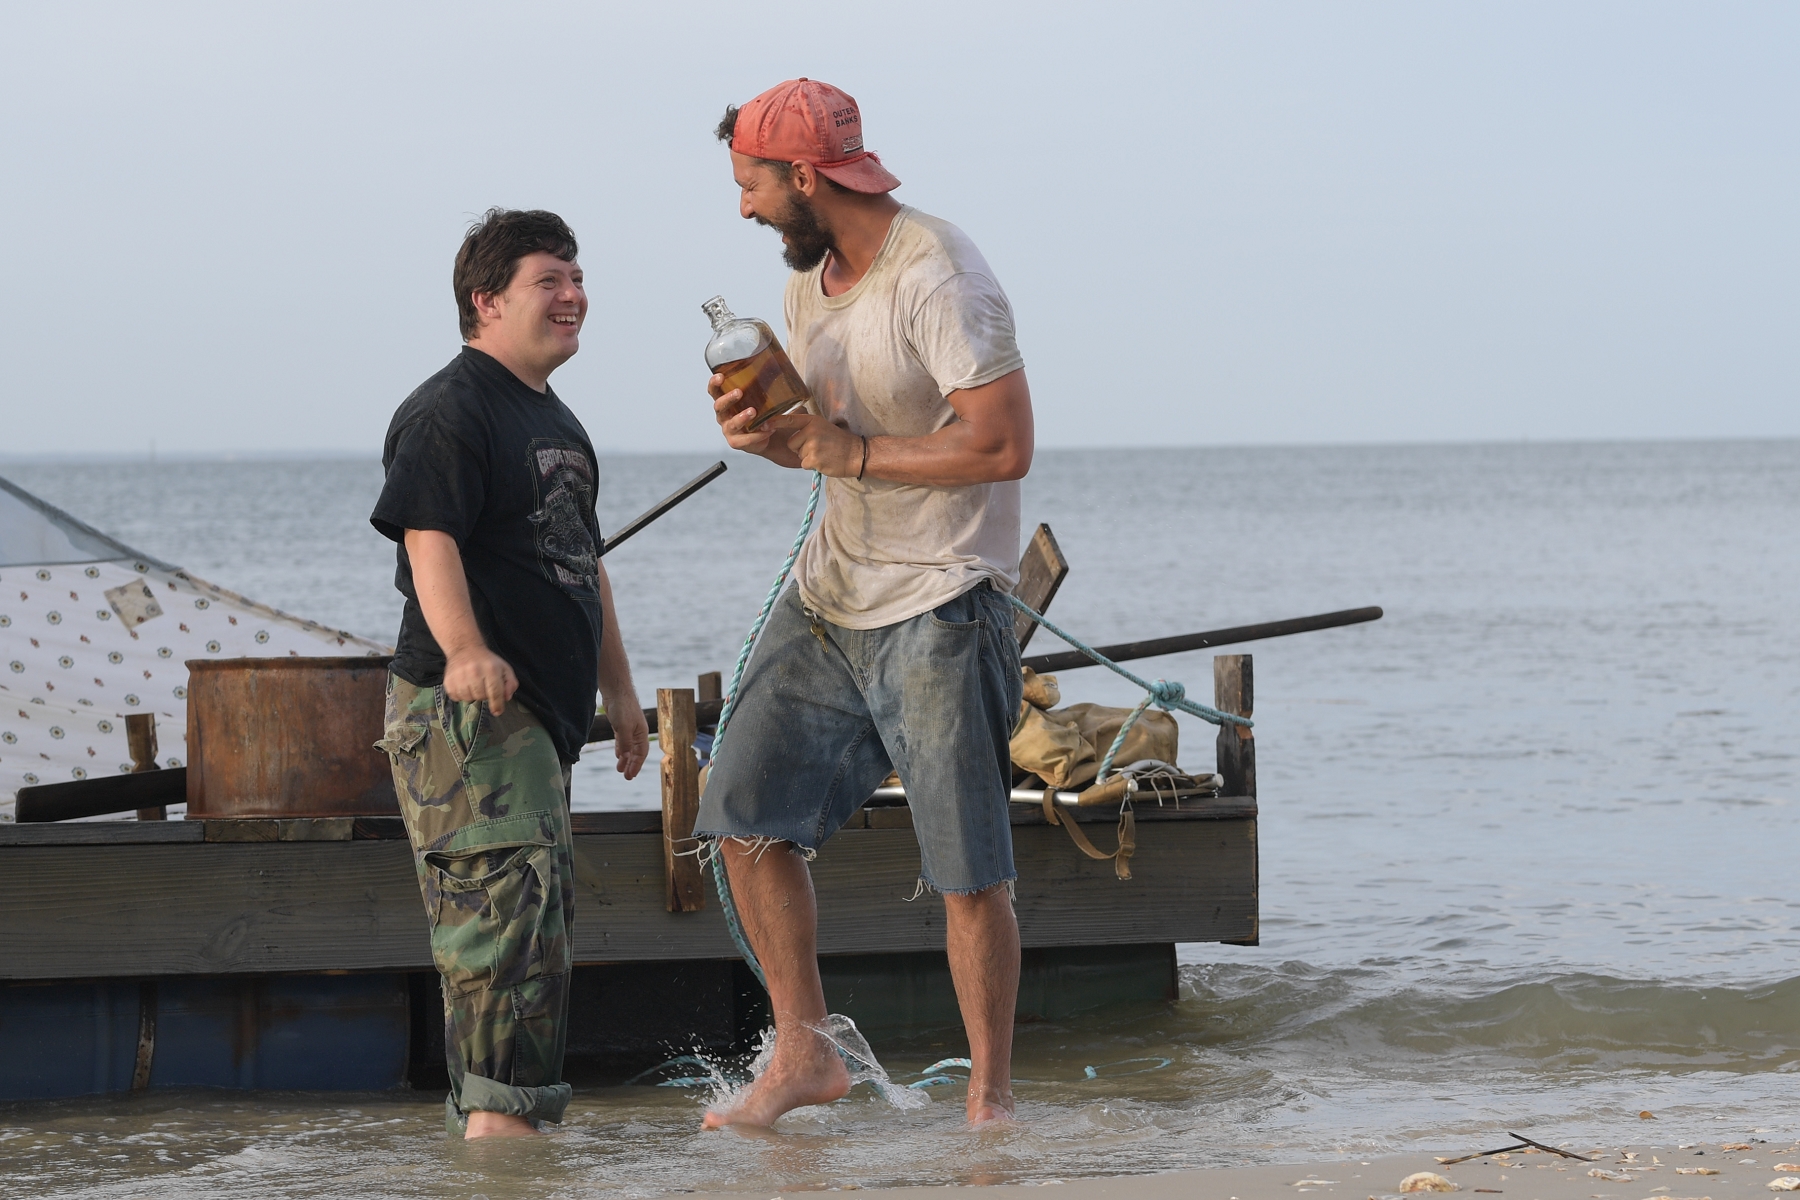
x: 491, y: 250
x: 784, y: 171
x: 727, y: 124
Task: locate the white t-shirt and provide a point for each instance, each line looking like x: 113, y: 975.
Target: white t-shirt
x: 928, y: 319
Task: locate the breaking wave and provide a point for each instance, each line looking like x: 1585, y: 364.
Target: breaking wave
x: 1561, y: 1021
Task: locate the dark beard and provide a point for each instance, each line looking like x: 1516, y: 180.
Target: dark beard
x: 808, y: 240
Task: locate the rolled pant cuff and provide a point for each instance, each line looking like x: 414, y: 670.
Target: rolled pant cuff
x: 486, y: 1095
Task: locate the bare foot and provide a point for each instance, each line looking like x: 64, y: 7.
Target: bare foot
x: 491, y: 1124
x: 985, y: 1110
x: 810, y: 1075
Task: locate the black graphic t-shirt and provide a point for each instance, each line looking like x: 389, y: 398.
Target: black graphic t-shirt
x: 509, y: 473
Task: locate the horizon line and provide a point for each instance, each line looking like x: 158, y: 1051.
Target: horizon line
x: 114, y: 457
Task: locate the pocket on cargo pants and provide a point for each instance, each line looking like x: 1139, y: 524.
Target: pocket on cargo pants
x: 497, y: 915
x: 406, y: 727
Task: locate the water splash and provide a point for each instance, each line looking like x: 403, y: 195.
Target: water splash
x: 844, y: 1037
x: 842, y: 1033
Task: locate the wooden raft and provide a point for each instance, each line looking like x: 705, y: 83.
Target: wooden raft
x: 123, y: 898
x: 145, y: 908
x: 226, y: 897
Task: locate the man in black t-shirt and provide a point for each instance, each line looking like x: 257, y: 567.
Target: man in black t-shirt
x: 508, y: 628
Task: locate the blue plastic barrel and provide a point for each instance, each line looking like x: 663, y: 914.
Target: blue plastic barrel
x: 303, y: 1032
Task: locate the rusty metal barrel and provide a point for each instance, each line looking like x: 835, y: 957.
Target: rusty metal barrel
x: 287, y: 737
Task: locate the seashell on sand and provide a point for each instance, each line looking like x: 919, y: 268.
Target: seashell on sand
x: 1426, y: 1181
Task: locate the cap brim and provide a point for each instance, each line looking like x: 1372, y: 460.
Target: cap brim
x: 866, y: 174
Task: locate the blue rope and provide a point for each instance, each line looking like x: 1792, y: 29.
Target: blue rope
x: 1162, y: 693
x: 933, y: 1076
x: 1094, y: 1072
x: 720, y: 881
x: 684, y: 1060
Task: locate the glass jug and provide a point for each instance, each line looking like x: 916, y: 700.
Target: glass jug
x: 746, y: 352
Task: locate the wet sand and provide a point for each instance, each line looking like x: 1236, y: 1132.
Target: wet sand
x: 1652, y: 1175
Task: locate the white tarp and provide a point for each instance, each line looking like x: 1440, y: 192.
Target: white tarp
x: 91, y: 630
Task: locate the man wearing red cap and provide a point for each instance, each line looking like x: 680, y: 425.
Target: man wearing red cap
x: 895, y: 650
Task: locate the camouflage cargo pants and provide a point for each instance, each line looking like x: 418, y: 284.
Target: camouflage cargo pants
x: 485, y: 802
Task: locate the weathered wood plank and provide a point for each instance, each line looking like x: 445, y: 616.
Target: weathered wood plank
x: 634, y: 821
x: 230, y: 908
x: 1233, y: 692
x: 1041, y: 572
x: 124, y: 832
x: 1195, y: 884
x: 682, y: 890
x: 140, y: 742
x: 1192, y: 884
x: 290, y: 829
x: 214, y: 909
x: 1207, y: 808
x: 100, y: 833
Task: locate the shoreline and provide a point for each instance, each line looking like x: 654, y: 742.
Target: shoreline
x: 1651, y: 1175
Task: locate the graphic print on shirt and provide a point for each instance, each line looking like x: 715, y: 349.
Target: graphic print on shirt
x: 566, y: 540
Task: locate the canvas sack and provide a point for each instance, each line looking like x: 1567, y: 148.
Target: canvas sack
x: 1064, y: 747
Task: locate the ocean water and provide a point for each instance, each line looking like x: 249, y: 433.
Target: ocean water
x: 1529, y: 844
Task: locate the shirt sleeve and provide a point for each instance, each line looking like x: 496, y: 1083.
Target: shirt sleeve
x: 434, y: 481
x: 964, y: 335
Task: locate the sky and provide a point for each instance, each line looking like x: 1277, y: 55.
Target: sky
x: 232, y: 225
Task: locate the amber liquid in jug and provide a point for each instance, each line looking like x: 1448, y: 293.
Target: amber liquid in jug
x: 746, y: 352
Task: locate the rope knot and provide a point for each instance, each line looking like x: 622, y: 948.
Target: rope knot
x: 1167, y: 694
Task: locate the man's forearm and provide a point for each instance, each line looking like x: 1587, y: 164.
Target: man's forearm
x: 631, y: 733
x: 954, y: 456
x: 614, y: 676
x: 991, y: 440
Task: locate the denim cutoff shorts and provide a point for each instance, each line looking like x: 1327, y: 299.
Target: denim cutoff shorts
x: 821, y: 720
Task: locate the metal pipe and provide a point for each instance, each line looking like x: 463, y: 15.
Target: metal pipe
x: 707, y: 711
x: 656, y: 510
x: 1069, y: 660
x: 706, y: 716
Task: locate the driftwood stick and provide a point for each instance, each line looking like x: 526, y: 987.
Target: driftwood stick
x: 1547, y: 1149
x: 1451, y: 1162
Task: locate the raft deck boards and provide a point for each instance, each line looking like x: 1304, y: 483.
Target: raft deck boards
x: 130, y: 899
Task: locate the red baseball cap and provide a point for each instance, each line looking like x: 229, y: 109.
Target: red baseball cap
x: 804, y: 120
